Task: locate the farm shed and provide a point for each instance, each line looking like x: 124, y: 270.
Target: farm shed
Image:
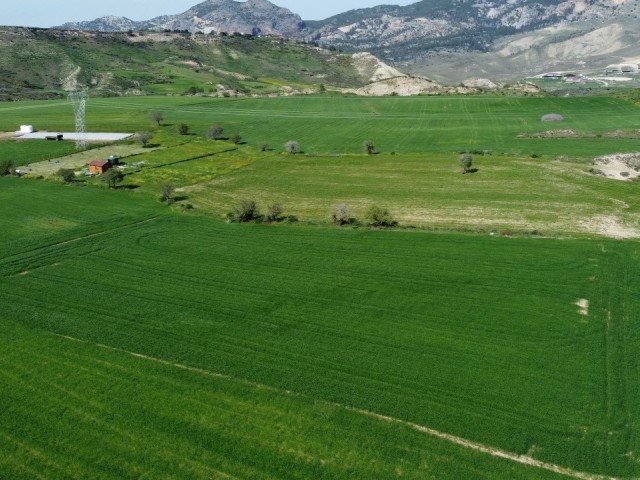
x: 99, y: 166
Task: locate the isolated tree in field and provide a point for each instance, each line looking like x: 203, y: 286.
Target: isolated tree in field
x: 380, y: 217
x: 274, y: 212
x: 113, y: 177
x: 236, y: 138
x: 264, y: 147
x: 369, y: 147
x: 67, y: 175
x: 157, y: 117
x: 183, y: 129
x: 214, y: 132
x: 167, y: 190
x: 292, y: 147
x: 144, y: 138
x: 246, y: 211
x: 466, y: 160
x: 341, y: 215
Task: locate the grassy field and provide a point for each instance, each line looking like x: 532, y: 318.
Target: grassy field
x: 146, y: 341
x: 338, y: 125
x: 251, y: 328
x: 506, y: 194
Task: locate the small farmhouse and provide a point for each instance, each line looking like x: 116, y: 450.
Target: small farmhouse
x: 99, y: 166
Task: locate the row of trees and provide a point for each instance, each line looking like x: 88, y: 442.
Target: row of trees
x: 248, y: 211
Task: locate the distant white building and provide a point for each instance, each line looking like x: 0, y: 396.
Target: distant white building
x: 26, y: 128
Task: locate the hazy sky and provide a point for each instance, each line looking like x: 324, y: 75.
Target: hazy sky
x: 45, y: 13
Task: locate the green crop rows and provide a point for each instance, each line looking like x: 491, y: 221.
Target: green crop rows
x: 336, y: 124
x: 142, y: 340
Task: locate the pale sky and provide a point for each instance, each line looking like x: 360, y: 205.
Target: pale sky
x: 48, y: 13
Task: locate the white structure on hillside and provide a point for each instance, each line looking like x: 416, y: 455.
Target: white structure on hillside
x: 26, y: 128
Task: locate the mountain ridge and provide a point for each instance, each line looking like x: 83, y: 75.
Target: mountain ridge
x: 429, y: 36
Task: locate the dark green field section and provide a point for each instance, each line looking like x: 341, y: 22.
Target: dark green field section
x: 340, y: 124
x: 474, y: 336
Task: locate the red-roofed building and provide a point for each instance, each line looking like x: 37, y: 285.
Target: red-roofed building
x: 99, y: 166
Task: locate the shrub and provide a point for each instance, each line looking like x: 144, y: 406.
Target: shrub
x: 6, y: 167
x: 143, y: 137
x: 274, y: 212
x: 369, y: 147
x: 183, y: 129
x: 466, y: 160
x: 157, y: 117
x: 246, y: 211
x: 214, y: 132
x: 67, y: 175
x: 341, y: 215
x: 379, y: 217
x: 167, y: 190
x: 264, y: 147
x: 292, y: 147
x: 552, y: 117
x: 236, y: 138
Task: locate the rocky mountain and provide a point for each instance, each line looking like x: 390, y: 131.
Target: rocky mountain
x: 403, y: 34
x: 438, y: 38
x: 229, y: 16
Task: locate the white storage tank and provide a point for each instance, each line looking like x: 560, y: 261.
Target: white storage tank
x: 26, y: 128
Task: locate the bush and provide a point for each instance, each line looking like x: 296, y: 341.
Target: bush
x: 246, y: 211
x: 183, y: 129
x: 6, y: 167
x: 167, y: 190
x: 466, y: 160
x: 157, y: 117
x: 274, y: 212
x: 143, y: 137
x: 552, y: 117
x: 264, y: 147
x: 214, y: 132
x: 341, y: 215
x: 369, y: 147
x: 67, y: 175
x: 292, y: 147
x: 236, y: 138
x: 379, y: 217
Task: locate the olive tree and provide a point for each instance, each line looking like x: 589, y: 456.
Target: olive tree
x: 341, y: 214
x: 466, y: 160
x: 369, y: 147
x: 143, y: 137
x: 214, y: 132
x: 113, y: 177
x: 292, y: 147
x: 157, y: 117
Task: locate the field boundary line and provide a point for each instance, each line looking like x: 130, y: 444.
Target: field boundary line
x: 460, y: 441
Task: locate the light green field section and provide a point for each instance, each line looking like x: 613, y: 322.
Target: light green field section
x: 507, y: 193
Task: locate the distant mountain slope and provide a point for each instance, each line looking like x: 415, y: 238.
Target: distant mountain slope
x: 41, y: 63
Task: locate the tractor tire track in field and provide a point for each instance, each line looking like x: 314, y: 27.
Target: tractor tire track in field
x: 462, y: 442
x: 29, y: 254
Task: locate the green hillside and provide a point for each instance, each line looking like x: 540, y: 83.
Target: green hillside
x: 41, y: 63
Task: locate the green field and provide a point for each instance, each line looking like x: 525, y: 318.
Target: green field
x: 338, y: 125
x: 498, y: 340
x: 478, y: 337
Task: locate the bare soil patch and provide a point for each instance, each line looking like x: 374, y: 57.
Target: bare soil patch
x: 609, y: 226
x: 620, y: 166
